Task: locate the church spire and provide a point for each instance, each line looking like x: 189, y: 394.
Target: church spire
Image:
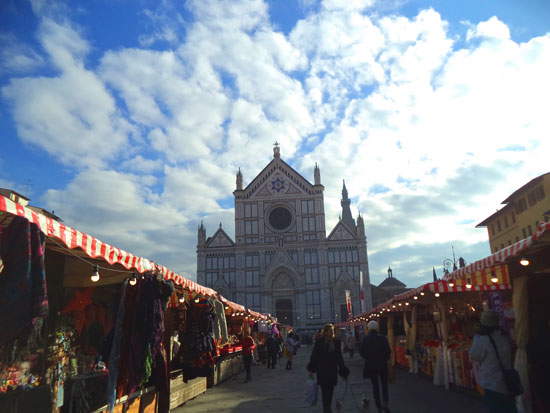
x: 346, y: 211
x: 201, y: 235
x: 317, y: 175
x: 239, y: 180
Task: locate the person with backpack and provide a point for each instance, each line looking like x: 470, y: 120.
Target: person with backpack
x: 492, y: 351
x: 376, y: 351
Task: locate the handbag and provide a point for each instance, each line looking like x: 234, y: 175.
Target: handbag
x: 510, y: 376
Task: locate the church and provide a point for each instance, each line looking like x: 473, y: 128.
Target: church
x: 281, y: 261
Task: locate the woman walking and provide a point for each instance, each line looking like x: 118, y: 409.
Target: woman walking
x: 375, y: 349
x: 493, y: 352
x: 327, y: 362
x: 291, y: 346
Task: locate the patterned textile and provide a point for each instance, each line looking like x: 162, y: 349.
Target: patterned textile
x: 23, y: 292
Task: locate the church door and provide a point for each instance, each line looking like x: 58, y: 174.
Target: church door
x: 283, y: 311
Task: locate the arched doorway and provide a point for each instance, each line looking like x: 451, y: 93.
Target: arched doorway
x: 283, y: 311
x: 283, y: 288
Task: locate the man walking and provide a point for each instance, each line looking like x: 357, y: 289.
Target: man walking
x: 376, y: 351
x: 272, y: 351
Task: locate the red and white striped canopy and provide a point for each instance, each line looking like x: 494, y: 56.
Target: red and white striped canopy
x: 95, y: 248
x: 500, y: 256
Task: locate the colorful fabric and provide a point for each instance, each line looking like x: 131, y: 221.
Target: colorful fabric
x: 23, y: 291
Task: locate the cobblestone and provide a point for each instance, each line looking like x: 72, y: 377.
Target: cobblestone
x: 283, y: 390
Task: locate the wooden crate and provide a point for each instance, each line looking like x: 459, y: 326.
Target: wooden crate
x: 180, y: 392
x: 225, y: 368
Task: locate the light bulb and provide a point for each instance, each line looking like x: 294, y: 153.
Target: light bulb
x: 407, y: 303
x: 197, y: 300
x: 494, y: 279
x: 95, y: 275
x: 415, y: 297
x: 436, y: 294
x: 182, y: 299
x: 133, y: 280
x: 524, y: 261
x: 468, y: 284
x: 422, y: 293
x: 451, y: 284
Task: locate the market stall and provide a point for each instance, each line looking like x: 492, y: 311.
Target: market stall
x: 91, y: 327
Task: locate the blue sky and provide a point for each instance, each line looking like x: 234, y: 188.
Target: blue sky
x: 130, y: 118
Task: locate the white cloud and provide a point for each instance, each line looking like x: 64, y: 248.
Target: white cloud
x: 490, y: 29
x: 17, y: 57
x: 72, y: 116
x: 395, y: 102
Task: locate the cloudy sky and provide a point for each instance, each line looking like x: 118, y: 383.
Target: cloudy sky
x: 129, y: 118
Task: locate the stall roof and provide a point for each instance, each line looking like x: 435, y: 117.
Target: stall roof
x: 95, y: 248
x: 501, y: 256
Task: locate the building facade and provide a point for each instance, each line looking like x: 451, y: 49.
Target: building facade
x: 281, y: 261
x: 522, y: 212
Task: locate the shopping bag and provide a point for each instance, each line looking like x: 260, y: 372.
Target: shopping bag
x: 311, y: 391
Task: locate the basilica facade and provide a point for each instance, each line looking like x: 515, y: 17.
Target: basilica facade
x: 281, y: 261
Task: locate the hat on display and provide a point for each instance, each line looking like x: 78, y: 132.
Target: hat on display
x: 372, y: 325
x: 489, y: 319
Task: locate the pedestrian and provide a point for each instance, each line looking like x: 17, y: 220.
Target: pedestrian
x: 327, y: 362
x: 248, y: 348
x: 262, y: 349
x: 376, y: 351
x: 291, y: 346
x: 272, y: 347
x: 350, y: 345
x: 492, y: 351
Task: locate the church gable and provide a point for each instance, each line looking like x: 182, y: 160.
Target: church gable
x: 278, y: 178
x: 341, y: 233
x: 219, y: 239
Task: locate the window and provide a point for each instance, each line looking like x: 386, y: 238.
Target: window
x: 293, y: 255
x: 311, y: 257
x: 268, y: 257
x: 334, y: 273
x: 355, y: 255
x: 313, y: 304
x: 250, y: 210
x: 230, y: 279
x: 253, y: 301
x: 520, y: 205
x: 308, y: 224
x: 251, y: 227
x: 308, y: 207
x: 210, y: 278
x: 252, y: 278
x: 252, y: 260
x: 312, y: 275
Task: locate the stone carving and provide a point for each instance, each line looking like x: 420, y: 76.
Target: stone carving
x: 340, y: 233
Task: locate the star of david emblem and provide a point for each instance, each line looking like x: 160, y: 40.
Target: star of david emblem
x: 277, y: 184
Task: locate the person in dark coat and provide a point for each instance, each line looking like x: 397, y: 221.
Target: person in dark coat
x: 327, y: 362
x: 376, y: 351
x: 272, y: 351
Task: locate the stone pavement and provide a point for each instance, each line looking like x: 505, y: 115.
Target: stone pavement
x: 281, y: 390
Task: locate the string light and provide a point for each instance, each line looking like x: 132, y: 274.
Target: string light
x: 494, y: 278
x: 422, y: 293
x: 524, y: 261
x: 415, y: 297
x: 407, y: 303
x: 468, y: 284
x: 133, y: 280
x: 197, y: 300
x: 451, y: 284
x: 182, y: 299
x: 436, y: 294
x: 95, y: 274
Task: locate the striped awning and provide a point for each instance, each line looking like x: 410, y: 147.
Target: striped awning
x: 501, y: 256
x: 94, y: 248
